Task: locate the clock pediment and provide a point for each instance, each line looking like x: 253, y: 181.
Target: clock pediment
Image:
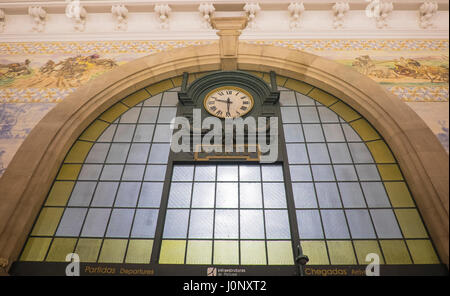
x: 263, y: 95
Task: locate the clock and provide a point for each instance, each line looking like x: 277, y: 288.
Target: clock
x: 228, y: 102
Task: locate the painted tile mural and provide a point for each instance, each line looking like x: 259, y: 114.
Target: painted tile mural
x: 35, y: 76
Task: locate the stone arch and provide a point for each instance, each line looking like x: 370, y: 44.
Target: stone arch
x: 29, y: 176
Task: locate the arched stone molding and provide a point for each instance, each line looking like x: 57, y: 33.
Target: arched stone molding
x: 29, y: 176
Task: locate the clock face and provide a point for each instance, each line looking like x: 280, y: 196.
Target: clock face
x: 228, y: 102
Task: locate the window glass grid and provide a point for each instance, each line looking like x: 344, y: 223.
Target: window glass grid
x: 372, y: 167
x: 128, y: 218
x: 359, y: 194
x: 245, y: 229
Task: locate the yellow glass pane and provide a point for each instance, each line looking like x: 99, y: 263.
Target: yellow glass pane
x: 139, y: 251
x: 160, y: 87
x: 341, y: 252
x: 422, y: 252
x: 94, y: 131
x: 47, y: 222
x: 344, y: 111
x: 113, y: 251
x: 88, y: 248
x: 363, y: 248
x: 298, y: 86
x: 322, y: 97
x: 59, y: 194
x: 69, y: 172
x: 226, y: 252
x: 399, y: 194
x: 266, y: 77
x: 136, y: 98
x: 281, y: 80
x: 199, y: 252
x: 35, y: 249
x: 380, y: 152
x: 201, y: 74
x: 316, y: 252
x: 411, y: 223
x: 253, y: 253
x: 172, y: 252
x: 256, y: 73
x: 365, y: 130
x: 395, y: 252
x: 390, y: 172
x: 114, y: 112
x: 60, y: 248
x: 78, y: 152
x: 280, y: 253
x: 177, y: 81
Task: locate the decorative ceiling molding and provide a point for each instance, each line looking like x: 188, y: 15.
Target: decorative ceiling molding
x: 182, y: 20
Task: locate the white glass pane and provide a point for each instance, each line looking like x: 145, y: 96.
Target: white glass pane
x: 226, y: 224
x: 176, y: 224
x: 250, y: 195
x: 252, y: 224
x: 144, y: 224
x: 180, y: 195
x: 277, y: 224
x: 227, y: 173
x: 249, y: 173
x: 227, y: 195
x: 304, y: 195
x: 274, y: 195
x: 201, y: 224
x: 334, y: 224
x: 203, y: 195
x: 309, y: 225
x: 328, y: 195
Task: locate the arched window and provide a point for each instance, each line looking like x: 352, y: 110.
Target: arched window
x: 337, y: 194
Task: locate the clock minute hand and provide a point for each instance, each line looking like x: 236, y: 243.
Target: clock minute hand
x: 223, y: 101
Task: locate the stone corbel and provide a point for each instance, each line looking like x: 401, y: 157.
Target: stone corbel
x: 78, y: 14
x: 163, y: 11
x: 2, y: 20
x: 426, y: 13
x: 206, y: 10
x: 39, y: 16
x: 379, y: 10
x: 229, y: 30
x: 339, y: 11
x: 295, y: 10
x: 252, y: 9
x: 120, y: 14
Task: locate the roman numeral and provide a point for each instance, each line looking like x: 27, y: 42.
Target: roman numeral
x: 221, y: 93
x: 243, y: 108
x: 228, y: 114
x: 244, y: 97
x: 219, y: 112
x: 211, y: 102
x: 213, y: 108
x: 229, y: 92
x: 245, y: 102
